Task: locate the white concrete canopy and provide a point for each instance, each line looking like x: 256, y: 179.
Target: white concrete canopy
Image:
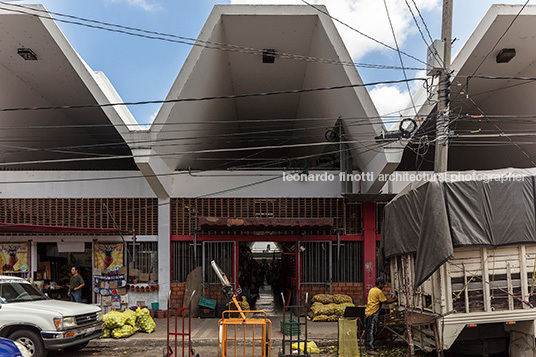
x: 476, y: 144
x: 59, y: 77
x: 211, y: 134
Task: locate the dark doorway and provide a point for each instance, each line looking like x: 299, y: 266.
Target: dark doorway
x: 259, y: 275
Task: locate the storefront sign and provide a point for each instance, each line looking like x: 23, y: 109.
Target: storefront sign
x: 108, y: 256
x: 14, y: 257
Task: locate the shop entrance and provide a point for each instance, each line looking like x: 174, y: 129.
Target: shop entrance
x: 260, y: 277
x: 54, y: 262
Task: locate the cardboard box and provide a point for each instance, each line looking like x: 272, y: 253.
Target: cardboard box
x: 140, y: 303
x: 153, y: 277
x: 113, y: 284
x: 122, y: 270
x: 122, y: 291
x: 144, y: 277
x: 133, y: 272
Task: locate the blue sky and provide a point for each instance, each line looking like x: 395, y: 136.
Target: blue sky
x: 144, y: 69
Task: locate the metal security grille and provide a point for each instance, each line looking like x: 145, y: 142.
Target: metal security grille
x: 185, y: 212
x: 146, y: 256
x: 353, y: 222
x: 348, y: 262
x: 222, y: 253
x: 140, y: 214
x: 184, y: 259
x: 380, y: 209
x: 316, y: 262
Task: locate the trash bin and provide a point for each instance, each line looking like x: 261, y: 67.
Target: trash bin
x: 154, y: 306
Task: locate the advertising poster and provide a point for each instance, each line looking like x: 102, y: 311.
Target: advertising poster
x: 14, y: 257
x: 108, y: 256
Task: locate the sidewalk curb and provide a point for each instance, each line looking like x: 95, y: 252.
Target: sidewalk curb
x: 154, y: 342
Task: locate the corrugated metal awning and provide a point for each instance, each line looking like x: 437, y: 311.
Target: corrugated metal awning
x: 260, y: 224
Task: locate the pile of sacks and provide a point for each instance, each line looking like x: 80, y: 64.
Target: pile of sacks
x: 329, y: 307
x: 124, y: 324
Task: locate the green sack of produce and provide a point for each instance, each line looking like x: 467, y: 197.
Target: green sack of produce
x: 114, y: 319
x: 125, y: 331
x: 340, y: 308
x: 323, y: 298
x: 320, y: 318
x: 131, y: 317
x: 328, y: 309
x: 106, y: 333
x: 316, y: 307
x: 341, y: 299
x: 144, y: 320
x: 332, y: 318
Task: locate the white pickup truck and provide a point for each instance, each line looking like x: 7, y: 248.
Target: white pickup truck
x: 40, y: 323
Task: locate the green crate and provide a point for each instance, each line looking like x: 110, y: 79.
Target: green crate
x: 207, y: 303
x: 290, y: 327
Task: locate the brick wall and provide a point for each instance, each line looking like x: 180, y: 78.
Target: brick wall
x: 177, y: 294
x: 354, y: 290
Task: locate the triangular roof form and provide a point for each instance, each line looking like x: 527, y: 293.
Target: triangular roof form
x: 55, y: 139
x: 212, y: 134
x: 500, y: 107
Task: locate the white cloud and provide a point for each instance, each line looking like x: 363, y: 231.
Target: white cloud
x: 389, y: 99
x: 147, y: 5
x: 368, y: 17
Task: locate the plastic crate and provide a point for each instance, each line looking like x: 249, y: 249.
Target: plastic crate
x: 207, y: 303
x: 290, y: 327
x: 206, y: 313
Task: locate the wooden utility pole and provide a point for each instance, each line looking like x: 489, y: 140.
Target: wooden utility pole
x: 442, y: 122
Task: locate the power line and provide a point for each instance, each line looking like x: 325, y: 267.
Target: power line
x: 158, y: 142
x: 399, y: 56
x: 204, y: 151
x: 499, y: 40
x: 494, y: 77
x: 164, y: 203
x: 212, y: 122
x: 142, y: 176
x: 435, y: 53
x: 361, y: 33
x: 235, y: 96
x: 152, y: 35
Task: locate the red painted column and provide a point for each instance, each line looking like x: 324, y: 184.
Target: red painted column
x: 369, y: 246
x: 236, y: 263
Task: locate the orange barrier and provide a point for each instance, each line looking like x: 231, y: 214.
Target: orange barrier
x: 232, y: 339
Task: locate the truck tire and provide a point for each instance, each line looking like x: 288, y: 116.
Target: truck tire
x: 31, y: 340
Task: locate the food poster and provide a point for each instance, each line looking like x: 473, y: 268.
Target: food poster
x: 108, y: 256
x: 14, y: 257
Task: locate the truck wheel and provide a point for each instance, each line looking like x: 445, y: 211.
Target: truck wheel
x: 31, y: 340
x: 76, y: 348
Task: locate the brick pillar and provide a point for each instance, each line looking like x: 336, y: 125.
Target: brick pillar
x: 369, y: 246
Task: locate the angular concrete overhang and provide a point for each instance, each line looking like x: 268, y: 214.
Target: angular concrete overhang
x: 55, y: 139
x: 506, y: 106
x: 266, y: 132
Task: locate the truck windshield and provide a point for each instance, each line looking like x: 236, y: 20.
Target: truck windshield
x: 16, y: 292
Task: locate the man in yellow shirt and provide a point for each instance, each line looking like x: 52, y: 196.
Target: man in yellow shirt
x: 372, y: 312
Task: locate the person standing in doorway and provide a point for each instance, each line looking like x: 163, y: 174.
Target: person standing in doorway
x: 375, y: 299
x: 75, y: 286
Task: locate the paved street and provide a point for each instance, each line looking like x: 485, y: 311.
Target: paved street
x: 204, y: 340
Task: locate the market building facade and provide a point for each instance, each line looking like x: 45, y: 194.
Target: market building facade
x: 173, y: 200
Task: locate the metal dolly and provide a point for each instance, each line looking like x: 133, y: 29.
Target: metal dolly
x: 300, y: 312
x: 180, y: 311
